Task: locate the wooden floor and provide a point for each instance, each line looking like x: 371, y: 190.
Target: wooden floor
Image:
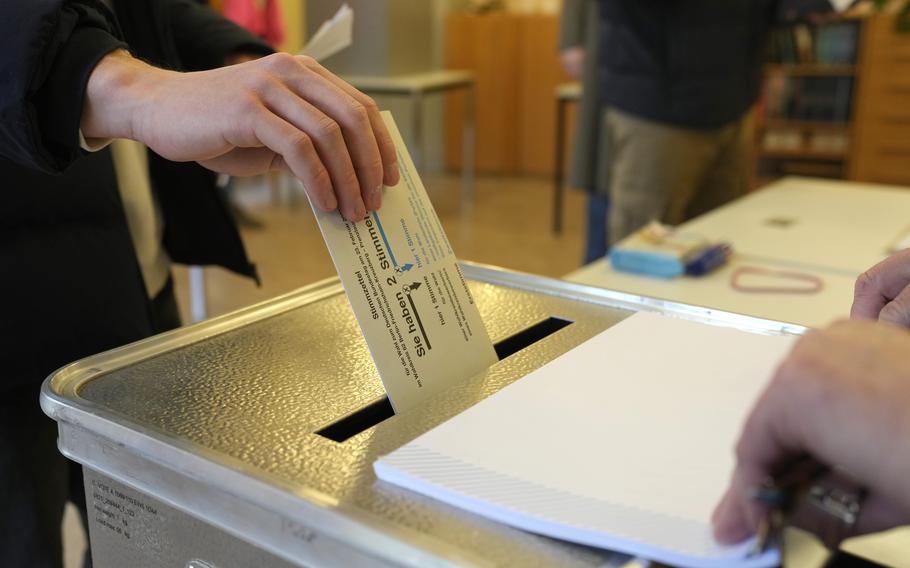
x: 508, y: 225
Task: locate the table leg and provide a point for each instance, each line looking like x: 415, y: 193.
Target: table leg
x: 417, y: 123
x: 468, y: 148
x: 559, y: 166
x: 198, y: 308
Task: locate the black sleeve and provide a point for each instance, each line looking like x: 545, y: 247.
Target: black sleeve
x: 48, y: 49
x: 204, y: 38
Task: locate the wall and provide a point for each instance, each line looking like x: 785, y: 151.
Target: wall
x: 516, y: 84
x: 394, y: 37
x: 295, y: 24
x: 435, y: 119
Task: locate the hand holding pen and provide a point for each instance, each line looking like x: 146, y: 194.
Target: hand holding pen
x: 808, y: 494
x: 840, y: 403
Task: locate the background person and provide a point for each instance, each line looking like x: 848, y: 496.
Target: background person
x: 578, y: 45
x: 75, y: 76
x: 678, y: 82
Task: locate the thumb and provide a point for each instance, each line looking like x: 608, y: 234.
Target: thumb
x: 897, y: 311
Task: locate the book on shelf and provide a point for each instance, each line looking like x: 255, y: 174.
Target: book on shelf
x: 828, y: 142
x: 796, y: 143
x: 806, y: 104
x: 809, y: 99
x: 782, y: 140
x: 802, y: 44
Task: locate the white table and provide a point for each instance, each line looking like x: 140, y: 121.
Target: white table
x: 831, y: 230
x: 837, y: 225
x: 716, y: 291
x: 416, y: 86
x: 828, y: 230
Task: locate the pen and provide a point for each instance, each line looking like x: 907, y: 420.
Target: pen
x: 778, y: 495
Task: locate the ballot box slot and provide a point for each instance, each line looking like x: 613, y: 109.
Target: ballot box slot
x: 842, y: 559
x: 377, y: 411
x: 356, y: 422
x: 529, y: 336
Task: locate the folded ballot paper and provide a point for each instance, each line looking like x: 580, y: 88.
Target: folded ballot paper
x: 407, y: 290
x: 624, y: 443
x: 334, y: 35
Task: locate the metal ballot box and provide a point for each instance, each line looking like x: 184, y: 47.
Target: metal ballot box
x: 248, y: 440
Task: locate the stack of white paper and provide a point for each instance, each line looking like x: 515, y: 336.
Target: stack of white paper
x: 624, y: 443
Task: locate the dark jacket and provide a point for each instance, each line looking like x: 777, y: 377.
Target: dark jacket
x: 691, y: 63
x: 69, y: 279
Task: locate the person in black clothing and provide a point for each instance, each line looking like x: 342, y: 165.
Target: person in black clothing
x: 579, y: 36
x: 678, y: 80
x: 77, y: 73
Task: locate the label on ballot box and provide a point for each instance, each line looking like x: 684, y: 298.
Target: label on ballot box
x: 407, y: 291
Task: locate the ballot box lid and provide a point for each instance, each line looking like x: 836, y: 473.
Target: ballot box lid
x: 222, y: 420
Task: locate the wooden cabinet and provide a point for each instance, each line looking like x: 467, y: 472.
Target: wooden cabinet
x: 881, y: 127
x: 516, y: 61
x: 487, y: 45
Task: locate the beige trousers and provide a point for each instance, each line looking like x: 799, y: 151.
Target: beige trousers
x: 671, y: 174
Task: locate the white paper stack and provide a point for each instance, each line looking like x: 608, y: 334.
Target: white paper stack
x: 624, y: 443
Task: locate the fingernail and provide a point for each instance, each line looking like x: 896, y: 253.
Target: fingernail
x: 330, y: 203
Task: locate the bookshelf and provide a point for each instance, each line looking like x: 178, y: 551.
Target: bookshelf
x: 803, y: 122
x: 836, y: 103
x: 515, y: 118
x: 811, y: 69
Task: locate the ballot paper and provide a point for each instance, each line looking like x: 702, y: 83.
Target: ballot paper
x: 332, y: 36
x: 407, y: 290
x: 624, y: 443
x: 842, y: 5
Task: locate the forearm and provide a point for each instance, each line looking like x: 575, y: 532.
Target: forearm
x: 120, y: 89
x: 276, y: 112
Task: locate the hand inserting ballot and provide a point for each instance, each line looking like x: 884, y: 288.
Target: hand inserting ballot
x: 279, y: 112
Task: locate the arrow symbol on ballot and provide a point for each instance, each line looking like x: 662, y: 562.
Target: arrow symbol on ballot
x: 405, y: 267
